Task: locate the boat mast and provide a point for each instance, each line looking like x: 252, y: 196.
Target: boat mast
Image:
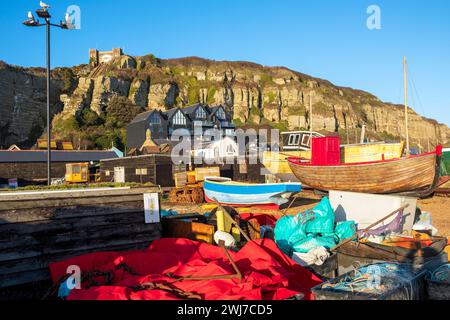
x: 406, y: 107
x: 310, y: 118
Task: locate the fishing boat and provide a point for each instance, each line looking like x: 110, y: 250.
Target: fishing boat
x: 227, y: 192
x: 298, y: 144
x: 415, y: 175
x: 276, y: 162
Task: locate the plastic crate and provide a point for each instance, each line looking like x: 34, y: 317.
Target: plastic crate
x: 326, y: 151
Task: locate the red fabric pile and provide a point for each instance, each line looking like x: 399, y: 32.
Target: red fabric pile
x: 268, y: 273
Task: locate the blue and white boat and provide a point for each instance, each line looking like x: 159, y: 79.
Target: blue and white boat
x: 231, y: 193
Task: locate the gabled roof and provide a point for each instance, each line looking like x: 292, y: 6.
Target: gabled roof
x: 170, y: 113
x: 144, y: 116
x: 217, y: 108
x: 188, y: 112
x: 191, y: 110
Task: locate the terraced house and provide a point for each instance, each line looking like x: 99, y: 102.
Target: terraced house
x: 162, y: 124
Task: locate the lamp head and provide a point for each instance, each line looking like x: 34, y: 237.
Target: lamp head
x: 44, y: 14
x: 31, y: 21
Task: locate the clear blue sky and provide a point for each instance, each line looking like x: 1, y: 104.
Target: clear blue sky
x: 326, y: 39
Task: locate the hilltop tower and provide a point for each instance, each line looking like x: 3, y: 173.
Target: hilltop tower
x: 96, y: 57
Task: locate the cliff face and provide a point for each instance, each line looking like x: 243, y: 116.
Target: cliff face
x: 23, y: 105
x: 255, y: 94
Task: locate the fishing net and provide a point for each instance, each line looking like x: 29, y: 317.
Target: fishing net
x: 441, y: 274
x: 376, y: 279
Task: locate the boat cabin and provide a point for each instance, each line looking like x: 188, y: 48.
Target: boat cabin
x: 298, y: 140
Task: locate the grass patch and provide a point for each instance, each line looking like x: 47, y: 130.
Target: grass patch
x: 211, y: 93
x: 79, y: 186
x: 266, y: 80
x: 272, y: 96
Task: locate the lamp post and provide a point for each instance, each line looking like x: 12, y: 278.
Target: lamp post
x: 43, y: 13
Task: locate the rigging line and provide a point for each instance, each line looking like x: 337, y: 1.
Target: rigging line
x: 416, y: 92
x: 400, y: 96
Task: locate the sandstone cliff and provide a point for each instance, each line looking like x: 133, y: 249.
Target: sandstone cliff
x: 255, y: 94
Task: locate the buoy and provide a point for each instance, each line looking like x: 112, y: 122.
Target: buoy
x: 225, y: 237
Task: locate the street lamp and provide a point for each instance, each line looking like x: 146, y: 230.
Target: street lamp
x: 67, y: 24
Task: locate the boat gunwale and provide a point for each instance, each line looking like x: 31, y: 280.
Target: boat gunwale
x: 243, y: 184
x: 295, y: 160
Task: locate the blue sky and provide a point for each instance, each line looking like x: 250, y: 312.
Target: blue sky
x: 324, y: 38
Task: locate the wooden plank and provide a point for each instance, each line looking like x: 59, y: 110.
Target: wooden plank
x: 10, y: 280
x: 42, y: 214
x: 81, y: 240
x: 34, y: 233
x: 41, y: 262
x: 30, y: 204
x: 76, y: 193
x: 50, y: 234
x: 41, y: 274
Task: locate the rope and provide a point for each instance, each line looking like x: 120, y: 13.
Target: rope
x: 363, y: 280
x: 441, y: 274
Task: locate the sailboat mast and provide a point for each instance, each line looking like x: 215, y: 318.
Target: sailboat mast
x: 406, y: 107
x: 310, y: 116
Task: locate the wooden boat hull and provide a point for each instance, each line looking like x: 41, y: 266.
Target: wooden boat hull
x: 239, y: 194
x: 277, y: 164
x: 418, y: 174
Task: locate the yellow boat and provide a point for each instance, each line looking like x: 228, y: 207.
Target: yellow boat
x: 371, y: 152
x: 276, y: 162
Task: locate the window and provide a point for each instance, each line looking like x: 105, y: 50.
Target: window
x: 229, y: 132
x: 107, y: 173
x: 141, y: 172
x: 230, y: 149
x: 179, y: 118
x: 200, y: 114
x: 221, y: 114
x: 306, y: 140
x: 155, y: 118
x: 294, y: 139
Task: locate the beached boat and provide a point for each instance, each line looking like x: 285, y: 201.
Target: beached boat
x: 416, y: 175
x: 276, y: 162
x: 232, y: 193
